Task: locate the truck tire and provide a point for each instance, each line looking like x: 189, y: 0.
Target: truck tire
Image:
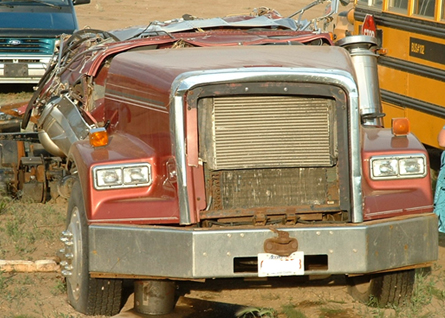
x: 90, y: 296
x: 382, y: 290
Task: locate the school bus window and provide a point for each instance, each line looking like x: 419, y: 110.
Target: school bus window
x: 442, y: 6
x: 399, y: 6
x: 424, y: 8
x: 371, y: 3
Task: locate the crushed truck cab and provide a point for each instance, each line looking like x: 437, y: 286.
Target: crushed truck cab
x: 249, y: 148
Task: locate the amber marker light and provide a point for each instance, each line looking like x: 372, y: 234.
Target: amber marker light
x: 381, y: 51
x: 98, y: 137
x: 400, y: 126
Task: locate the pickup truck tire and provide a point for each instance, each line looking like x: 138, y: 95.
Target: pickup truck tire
x: 383, y: 290
x: 91, y: 296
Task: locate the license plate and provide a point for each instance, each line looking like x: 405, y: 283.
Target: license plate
x: 275, y: 265
x: 16, y: 70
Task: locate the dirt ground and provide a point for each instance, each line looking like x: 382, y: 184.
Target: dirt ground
x: 30, y: 232
x: 116, y: 14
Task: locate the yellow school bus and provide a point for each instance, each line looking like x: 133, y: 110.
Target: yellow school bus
x: 412, y: 65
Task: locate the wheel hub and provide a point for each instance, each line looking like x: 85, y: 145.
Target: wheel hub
x: 72, y: 263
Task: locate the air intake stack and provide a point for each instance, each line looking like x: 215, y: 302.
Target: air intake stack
x: 362, y: 50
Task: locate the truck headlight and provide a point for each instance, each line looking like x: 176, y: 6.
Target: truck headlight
x: 398, y: 167
x: 122, y: 176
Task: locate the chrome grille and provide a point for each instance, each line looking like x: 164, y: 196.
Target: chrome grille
x: 268, y: 131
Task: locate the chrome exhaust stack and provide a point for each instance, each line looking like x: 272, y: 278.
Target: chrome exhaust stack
x: 362, y: 50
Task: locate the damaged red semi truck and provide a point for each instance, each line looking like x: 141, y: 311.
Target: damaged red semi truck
x: 238, y: 147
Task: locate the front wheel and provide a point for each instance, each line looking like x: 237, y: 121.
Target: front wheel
x: 91, y: 296
x: 387, y: 289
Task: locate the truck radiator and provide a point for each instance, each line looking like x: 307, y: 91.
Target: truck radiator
x: 267, y: 131
x: 273, y: 153
x: 306, y: 188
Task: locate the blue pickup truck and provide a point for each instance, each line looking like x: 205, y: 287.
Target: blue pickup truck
x: 29, y: 30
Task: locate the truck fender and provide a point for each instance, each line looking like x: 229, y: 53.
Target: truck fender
x: 82, y: 157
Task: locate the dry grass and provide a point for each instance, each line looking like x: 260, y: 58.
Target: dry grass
x: 30, y: 231
x: 10, y: 94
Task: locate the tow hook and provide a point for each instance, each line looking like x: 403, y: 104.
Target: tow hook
x: 282, y: 245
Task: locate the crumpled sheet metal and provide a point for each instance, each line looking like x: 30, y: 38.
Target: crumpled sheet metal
x: 182, y: 25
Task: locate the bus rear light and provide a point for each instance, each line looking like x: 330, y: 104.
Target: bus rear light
x: 400, y: 126
x: 369, y: 27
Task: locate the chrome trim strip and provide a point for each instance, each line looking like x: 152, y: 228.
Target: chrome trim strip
x: 177, y: 130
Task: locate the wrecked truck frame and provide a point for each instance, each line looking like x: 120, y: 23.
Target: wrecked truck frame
x: 227, y: 148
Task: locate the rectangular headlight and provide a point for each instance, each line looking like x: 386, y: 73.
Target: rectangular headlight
x: 122, y: 176
x: 398, y: 167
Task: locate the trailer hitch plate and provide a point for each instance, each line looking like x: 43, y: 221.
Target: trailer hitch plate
x: 282, y: 245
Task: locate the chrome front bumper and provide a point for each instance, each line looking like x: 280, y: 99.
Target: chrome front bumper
x: 188, y: 253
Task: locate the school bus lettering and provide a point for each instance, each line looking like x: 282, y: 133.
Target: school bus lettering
x: 427, y: 50
x: 417, y: 48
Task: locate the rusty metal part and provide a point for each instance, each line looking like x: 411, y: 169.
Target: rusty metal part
x: 288, y: 190
x: 270, y: 217
x: 154, y: 297
x: 275, y: 215
x: 311, y: 217
x: 22, y: 136
x: 130, y: 276
x: 65, y: 185
x: 260, y: 219
x: 282, y: 245
x: 33, y: 181
x: 33, y: 192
